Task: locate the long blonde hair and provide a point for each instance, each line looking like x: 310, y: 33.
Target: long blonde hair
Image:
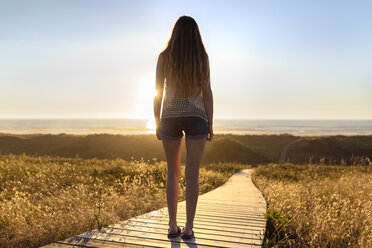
x: 185, y: 61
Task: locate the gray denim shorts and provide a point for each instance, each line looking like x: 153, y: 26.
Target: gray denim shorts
x: 194, y: 127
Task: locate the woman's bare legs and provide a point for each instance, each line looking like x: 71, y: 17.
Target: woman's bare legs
x: 172, y: 150
x: 194, y: 152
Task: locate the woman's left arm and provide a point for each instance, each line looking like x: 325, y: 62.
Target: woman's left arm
x: 159, y: 87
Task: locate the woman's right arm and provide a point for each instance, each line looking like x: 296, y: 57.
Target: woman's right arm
x: 208, y: 103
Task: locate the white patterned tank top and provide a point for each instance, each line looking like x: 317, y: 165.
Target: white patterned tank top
x: 180, y: 106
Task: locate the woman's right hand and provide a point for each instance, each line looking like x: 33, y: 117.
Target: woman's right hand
x: 158, y: 133
x: 210, y: 133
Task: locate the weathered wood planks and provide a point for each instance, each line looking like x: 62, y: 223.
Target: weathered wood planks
x: 229, y: 216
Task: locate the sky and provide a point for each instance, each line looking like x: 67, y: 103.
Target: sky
x: 268, y: 59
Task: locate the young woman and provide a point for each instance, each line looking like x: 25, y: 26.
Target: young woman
x: 183, y: 71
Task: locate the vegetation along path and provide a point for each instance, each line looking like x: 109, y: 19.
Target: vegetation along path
x: 283, y: 152
x: 229, y: 216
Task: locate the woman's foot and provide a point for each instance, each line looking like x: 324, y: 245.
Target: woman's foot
x: 187, y: 233
x: 174, y: 231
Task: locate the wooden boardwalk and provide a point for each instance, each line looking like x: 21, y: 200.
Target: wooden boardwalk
x: 229, y: 216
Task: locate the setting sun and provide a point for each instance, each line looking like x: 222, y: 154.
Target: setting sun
x: 146, y: 92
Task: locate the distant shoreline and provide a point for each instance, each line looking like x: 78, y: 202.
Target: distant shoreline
x: 303, y: 128
x: 217, y: 134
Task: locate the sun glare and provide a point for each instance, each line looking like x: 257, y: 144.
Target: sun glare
x: 146, y: 93
x: 151, y: 124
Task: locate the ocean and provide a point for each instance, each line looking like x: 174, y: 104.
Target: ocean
x: 142, y: 126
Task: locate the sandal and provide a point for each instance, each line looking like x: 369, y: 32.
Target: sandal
x: 174, y: 235
x: 191, y: 236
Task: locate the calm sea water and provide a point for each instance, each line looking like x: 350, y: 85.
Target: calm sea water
x: 135, y: 126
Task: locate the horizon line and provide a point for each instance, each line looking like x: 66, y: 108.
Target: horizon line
x: 129, y: 118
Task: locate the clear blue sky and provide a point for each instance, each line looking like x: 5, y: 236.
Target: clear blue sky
x: 269, y: 59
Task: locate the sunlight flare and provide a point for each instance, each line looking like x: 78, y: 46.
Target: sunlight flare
x: 146, y: 94
x: 151, y: 124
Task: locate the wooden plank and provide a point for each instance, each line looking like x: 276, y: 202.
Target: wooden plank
x: 221, y: 213
x: 93, y: 242
x: 213, y: 219
x: 202, y: 232
x: 198, y: 223
x: 160, y: 240
x: 59, y: 245
x: 69, y: 242
x: 230, y: 216
x: 231, y: 209
x: 237, y: 229
x: 227, y: 203
x: 227, y: 214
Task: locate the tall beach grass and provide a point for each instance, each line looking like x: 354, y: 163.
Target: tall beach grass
x: 46, y: 199
x: 317, y: 205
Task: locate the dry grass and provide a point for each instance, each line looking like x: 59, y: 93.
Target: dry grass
x: 329, y: 206
x: 45, y: 199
